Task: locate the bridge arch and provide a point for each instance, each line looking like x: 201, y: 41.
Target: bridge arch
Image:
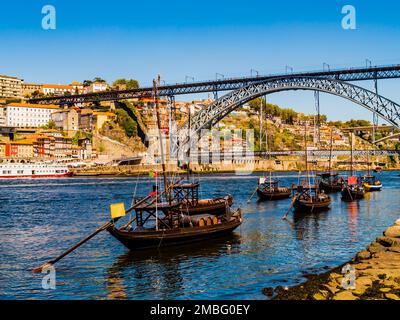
x: 384, y: 108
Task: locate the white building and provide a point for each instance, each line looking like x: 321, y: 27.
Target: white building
x: 96, y: 87
x: 26, y: 115
x: 57, y: 89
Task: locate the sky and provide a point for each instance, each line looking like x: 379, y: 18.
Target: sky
x: 140, y: 39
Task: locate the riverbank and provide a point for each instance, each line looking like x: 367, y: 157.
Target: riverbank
x: 237, y: 167
x: 376, y: 272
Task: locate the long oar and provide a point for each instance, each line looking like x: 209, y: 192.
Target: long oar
x: 248, y: 201
x: 97, y: 231
x: 51, y: 262
x: 290, y: 208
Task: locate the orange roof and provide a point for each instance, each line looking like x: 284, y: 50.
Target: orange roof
x: 32, y: 105
x: 57, y: 86
x: 152, y: 100
x: 76, y: 83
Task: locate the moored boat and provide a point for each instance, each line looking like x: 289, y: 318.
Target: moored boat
x: 163, y: 224
x: 269, y: 189
x: 371, y: 183
x: 352, y: 190
x: 311, y: 199
x: 330, y: 182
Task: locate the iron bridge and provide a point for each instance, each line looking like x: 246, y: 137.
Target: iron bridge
x: 226, y: 84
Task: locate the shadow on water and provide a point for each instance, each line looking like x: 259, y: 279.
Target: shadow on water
x: 161, y: 269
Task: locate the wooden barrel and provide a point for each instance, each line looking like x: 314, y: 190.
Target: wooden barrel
x: 201, y: 222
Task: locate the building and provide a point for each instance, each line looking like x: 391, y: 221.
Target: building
x: 27, y: 115
x: 77, y: 87
x: 67, y: 120
x: 17, y: 149
x: 10, y: 87
x: 29, y: 88
x: 100, y: 118
x: 57, y: 89
x: 96, y: 87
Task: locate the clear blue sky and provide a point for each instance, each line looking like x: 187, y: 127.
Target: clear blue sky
x: 138, y: 39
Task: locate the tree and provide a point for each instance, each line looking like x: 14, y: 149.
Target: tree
x: 127, y: 83
x: 98, y: 79
x: 87, y: 83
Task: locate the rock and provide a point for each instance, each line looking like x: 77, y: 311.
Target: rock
x: 397, y: 223
x: 362, y: 266
x: 392, y: 296
x: 385, y: 290
x: 376, y: 247
x: 389, y: 283
x: 319, y: 296
x: 344, y: 295
x: 388, y: 242
x: 392, y: 232
x: 269, y: 292
x: 332, y: 289
x: 363, y: 255
x: 359, y: 291
x: 334, y: 276
x: 363, y: 282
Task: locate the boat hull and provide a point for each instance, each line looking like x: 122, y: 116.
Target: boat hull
x: 37, y: 176
x: 307, y: 206
x: 351, y: 195
x: 142, y: 240
x: 268, y: 195
x: 369, y: 187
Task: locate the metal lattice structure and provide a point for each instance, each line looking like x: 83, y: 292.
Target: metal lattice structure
x: 208, y: 117
x: 226, y: 84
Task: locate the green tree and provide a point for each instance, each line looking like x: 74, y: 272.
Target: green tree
x: 127, y: 123
x: 98, y: 79
x: 129, y: 83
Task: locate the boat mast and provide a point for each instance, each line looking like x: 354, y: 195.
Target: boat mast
x: 160, y: 138
x: 306, y: 155
x: 351, y: 153
x: 189, y: 126
x: 330, y: 152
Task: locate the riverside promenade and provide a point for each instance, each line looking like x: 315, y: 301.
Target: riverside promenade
x: 373, y: 274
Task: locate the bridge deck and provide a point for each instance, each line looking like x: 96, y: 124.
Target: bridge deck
x: 356, y: 74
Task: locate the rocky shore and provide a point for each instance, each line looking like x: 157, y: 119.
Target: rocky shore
x: 373, y: 274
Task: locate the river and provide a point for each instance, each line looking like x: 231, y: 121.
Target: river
x: 41, y: 218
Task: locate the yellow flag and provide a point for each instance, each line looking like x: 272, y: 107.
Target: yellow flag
x: 117, y: 210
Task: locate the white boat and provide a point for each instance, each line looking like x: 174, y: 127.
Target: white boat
x: 33, y: 170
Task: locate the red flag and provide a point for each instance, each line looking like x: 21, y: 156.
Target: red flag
x: 352, y: 180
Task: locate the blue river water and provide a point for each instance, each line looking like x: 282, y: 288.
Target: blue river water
x: 41, y: 218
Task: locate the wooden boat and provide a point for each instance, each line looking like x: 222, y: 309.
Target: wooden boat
x: 330, y: 182
x: 352, y: 190
x: 182, y: 218
x: 310, y: 199
x: 370, y: 183
x: 170, y: 227
x: 351, y: 193
x: 270, y: 190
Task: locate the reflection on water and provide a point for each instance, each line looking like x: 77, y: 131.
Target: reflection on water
x: 42, y: 218
x: 161, y: 269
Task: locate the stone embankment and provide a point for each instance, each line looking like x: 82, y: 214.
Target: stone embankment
x: 373, y: 274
